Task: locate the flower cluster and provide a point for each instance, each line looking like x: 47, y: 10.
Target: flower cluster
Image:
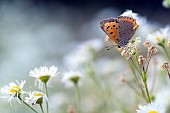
x: 131, y: 48
x: 43, y: 76
x: 15, y: 91
x: 138, y: 59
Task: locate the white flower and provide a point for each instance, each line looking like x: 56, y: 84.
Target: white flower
x: 134, y: 43
x: 151, y: 108
x: 35, y: 98
x: 129, y: 13
x: 163, y: 97
x: 43, y: 75
x: 71, y: 78
x: 13, y: 91
x: 130, y: 49
x: 83, y: 53
x: 158, y: 36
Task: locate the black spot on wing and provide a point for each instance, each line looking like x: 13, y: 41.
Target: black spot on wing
x: 111, y: 32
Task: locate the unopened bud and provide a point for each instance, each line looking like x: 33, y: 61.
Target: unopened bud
x: 147, y: 43
x: 122, y: 79
x: 71, y: 109
x: 141, y: 59
x: 152, y: 50
x: 165, y: 65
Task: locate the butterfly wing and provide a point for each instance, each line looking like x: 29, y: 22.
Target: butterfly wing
x: 126, y: 27
x: 110, y: 27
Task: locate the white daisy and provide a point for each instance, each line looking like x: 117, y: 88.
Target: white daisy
x: 160, y: 35
x: 162, y: 96
x: 71, y: 78
x: 84, y: 53
x: 13, y: 91
x: 130, y: 13
x: 43, y: 75
x: 35, y: 98
x: 151, y: 108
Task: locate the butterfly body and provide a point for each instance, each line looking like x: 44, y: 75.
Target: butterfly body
x: 120, y: 29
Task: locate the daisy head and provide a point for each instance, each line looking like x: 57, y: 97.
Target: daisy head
x: 14, y: 90
x: 130, y: 13
x: 84, y: 53
x: 71, y: 78
x: 36, y: 98
x: 151, y: 108
x: 44, y: 75
x: 160, y: 36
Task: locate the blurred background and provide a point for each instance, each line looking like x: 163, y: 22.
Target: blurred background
x: 36, y: 33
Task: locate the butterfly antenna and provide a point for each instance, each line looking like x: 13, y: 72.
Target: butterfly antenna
x: 110, y: 47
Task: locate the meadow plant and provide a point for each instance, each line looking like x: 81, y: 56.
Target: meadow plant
x: 107, y: 97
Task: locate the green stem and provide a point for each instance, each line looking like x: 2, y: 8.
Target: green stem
x: 164, y: 48
x: 77, y: 97
x: 46, y: 91
x: 133, y: 88
x: 144, y: 77
x: 27, y: 105
x: 97, y: 82
x: 147, y: 91
x: 41, y: 108
x: 136, y: 79
x: 139, y: 70
x: 149, y: 58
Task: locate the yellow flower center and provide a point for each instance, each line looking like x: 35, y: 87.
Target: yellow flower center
x: 38, y: 94
x: 40, y: 99
x: 15, y: 89
x: 157, y: 38
x: 44, y: 78
x: 153, y: 111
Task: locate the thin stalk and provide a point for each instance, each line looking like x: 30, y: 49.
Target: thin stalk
x: 154, y: 80
x: 147, y: 91
x: 93, y: 76
x: 166, y: 51
x: 27, y: 105
x: 46, y: 91
x: 134, y: 89
x: 41, y: 108
x: 97, y: 81
x: 140, y: 72
x: 136, y: 57
x: 136, y: 79
x: 147, y: 65
x: 144, y: 77
x: 143, y: 67
x: 77, y: 97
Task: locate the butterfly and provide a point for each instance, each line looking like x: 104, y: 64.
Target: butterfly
x: 120, y: 29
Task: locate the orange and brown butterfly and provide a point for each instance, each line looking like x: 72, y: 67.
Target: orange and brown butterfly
x: 120, y: 29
